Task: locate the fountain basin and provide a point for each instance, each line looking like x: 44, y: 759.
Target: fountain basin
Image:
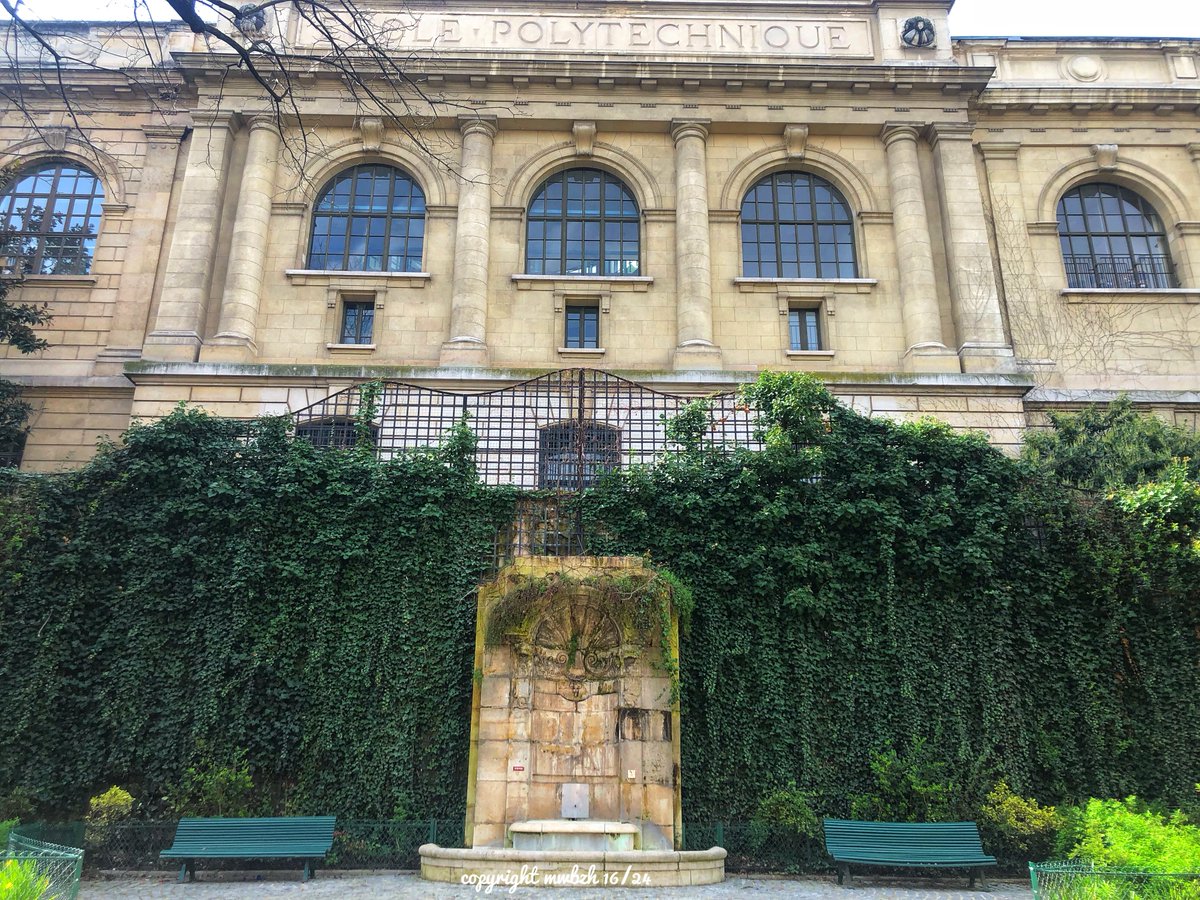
x: 574, y: 834
x: 580, y: 868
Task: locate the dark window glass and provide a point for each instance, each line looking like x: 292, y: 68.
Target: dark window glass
x: 336, y: 434
x: 573, y: 455
x: 358, y: 321
x: 583, y: 222
x: 370, y: 218
x: 1112, y: 238
x: 49, y: 218
x: 583, y: 327
x: 797, y: 225
x: 804, y: 329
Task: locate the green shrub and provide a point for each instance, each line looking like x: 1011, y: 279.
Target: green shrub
x: 5, y: 827
x: 17, y: 804
x: 20, y: 880
x: 1017, y: 829
x: 791, y: 809
x: 1124, y: 834
x: 113, y: 806
x: 912, y: 787
x: 215, y: 788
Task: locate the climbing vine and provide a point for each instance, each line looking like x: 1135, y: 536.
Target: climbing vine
x: 210, y: 592
x: 877, y: 615
x: 868, y: 591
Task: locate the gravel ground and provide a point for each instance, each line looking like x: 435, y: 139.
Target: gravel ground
x: 404, y: 885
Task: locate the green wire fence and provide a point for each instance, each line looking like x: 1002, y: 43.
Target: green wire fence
x: 39, y: 870
x: 1080, y: 881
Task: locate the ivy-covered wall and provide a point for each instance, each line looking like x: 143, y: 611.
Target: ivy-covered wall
x: 860, y: 587
x: 205, y: 590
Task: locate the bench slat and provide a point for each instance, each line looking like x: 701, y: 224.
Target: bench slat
x: 297, y: 837
x: 906, y: 844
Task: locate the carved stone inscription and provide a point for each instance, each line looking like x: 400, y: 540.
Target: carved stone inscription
x: 792, y: 37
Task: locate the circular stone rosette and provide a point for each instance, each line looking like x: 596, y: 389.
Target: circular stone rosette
x: 918, y: 32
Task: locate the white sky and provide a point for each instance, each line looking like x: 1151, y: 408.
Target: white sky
x: 1029, y: 18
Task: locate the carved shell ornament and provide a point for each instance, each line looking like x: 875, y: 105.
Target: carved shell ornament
x: 918, y: 32
x: 578, y: 641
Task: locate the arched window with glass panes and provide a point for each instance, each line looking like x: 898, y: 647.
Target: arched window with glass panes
x: 1112, y: 239
x: 797, y: 225
x: 370, y: 218
x: 50, y: 216
x: 583, y: 222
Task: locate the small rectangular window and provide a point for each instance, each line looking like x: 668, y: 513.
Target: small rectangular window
x: 583, y: 327
x: 358, y: 321
x: 804, y: 328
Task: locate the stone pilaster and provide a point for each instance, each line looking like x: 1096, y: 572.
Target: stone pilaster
x: 1020, y: 285
x: 146, y: 233
x: 1188, y: 269
x: 180, y: 320
x: 693, y: 256
x: 467, y: 344
x: 982, y: 345
x: 235, y: 338
x: 914, y: 256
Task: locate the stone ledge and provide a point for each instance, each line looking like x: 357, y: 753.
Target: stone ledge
x: 1136, y: 295
x: 575, y: 282
x: 548, y: 868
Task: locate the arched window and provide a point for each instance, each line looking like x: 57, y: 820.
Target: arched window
x: 797, y: 225
x: 50, y: 214
x: 583, y: 222
x: 334, y: 433
x: 1112, y: 238
x: 573, y: 455
x: 370, y: 218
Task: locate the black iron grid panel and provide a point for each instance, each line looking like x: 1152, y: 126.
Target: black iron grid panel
x: 583, y: 407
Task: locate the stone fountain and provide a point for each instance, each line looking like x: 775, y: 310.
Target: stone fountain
x: 574, y: 762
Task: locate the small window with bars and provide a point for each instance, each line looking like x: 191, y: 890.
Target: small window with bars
x: 582, y: 327
x: 335, y: 433
x: 804, y: 329
x: 358, y: 322
x: 573, y: 455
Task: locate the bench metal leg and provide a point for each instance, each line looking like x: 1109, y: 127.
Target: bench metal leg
x: 307, y: 871
x: 983, y: 882
x: 843, y: 873
x: 187, y: 871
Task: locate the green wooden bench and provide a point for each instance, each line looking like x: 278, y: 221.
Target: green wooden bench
x: 940, y: 845
x: 295, y: 837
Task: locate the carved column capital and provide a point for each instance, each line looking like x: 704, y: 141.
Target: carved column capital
x: 485, y: 125
x: 685, y: 128
x: 900, y: 131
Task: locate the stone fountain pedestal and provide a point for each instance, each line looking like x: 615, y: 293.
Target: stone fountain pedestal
x: 575, y: 752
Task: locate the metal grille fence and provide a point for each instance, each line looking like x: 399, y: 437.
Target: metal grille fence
x: 40, y: 870
x: 1144, y: 271
x: 558, y: 432
x: 1079, y: 881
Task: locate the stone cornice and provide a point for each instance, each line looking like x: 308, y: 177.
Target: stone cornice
x: 1162, y: 100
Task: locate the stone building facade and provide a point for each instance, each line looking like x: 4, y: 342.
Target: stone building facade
x: 683, y: 193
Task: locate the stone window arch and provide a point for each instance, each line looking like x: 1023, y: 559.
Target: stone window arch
x: 796, y: 224
x: 1112, y: 238
x: 50, y: 216
x: 368, y: 218
x: 583, y: 221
